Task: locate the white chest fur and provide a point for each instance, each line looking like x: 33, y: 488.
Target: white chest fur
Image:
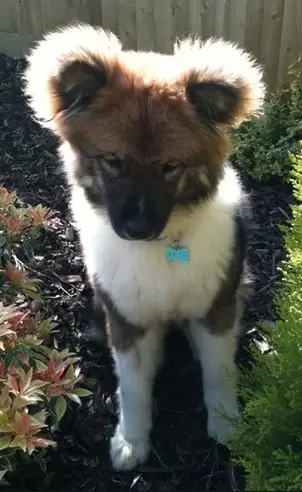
x: 144, y: 286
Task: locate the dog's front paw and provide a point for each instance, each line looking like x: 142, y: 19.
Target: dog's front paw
x: 220, y: 424
x: 126, y: 455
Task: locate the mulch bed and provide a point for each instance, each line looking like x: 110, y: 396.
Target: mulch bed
x: 184, y: 459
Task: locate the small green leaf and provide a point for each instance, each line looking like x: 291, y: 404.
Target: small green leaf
x: 5, y: 442
x: 28, y: 247
x: 74, y: 397
x: 82, y: 392
x: 70, y: 373
x: 2, y: 474
x: 19, y: 442
x: 32, y: 294
x: 2, y: 240
x: 60, y: 407
x: 3, y: 418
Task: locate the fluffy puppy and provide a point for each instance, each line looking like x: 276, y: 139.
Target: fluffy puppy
x: 158, y: 207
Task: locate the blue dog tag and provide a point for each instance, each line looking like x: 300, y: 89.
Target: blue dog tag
x: 177, y: 254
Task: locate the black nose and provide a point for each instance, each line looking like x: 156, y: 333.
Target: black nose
x: 136, y: 219
x: 137, y: 228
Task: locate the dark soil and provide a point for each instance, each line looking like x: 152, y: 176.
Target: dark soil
x: 184, y: 459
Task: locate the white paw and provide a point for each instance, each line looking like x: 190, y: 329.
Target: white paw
x: 126, y: 455
x: 219, y: 425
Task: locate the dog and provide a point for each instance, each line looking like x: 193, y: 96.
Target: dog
x: 159, y: 209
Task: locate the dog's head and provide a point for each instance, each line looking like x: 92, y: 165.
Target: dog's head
x: 149, y: 131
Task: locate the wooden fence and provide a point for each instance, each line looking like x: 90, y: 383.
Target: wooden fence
x: 270, y: 29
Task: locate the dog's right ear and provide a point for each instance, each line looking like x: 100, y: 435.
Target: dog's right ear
x: 67, y: 69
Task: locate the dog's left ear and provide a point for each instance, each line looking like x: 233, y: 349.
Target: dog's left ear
x: 221, y: 80
x: 215, y: 101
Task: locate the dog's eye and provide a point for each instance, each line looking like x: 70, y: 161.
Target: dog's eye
x: 171, y: 171
x: 113, y: 165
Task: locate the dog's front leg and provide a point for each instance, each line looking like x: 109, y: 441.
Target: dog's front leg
x: 136, y: 368
x: 217, y: 353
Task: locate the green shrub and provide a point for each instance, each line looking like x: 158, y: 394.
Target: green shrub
x: 262, y: 145
x: 268, y: 438
x: 36, y: 381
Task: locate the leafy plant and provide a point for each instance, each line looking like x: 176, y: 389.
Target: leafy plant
x: 36, y: 381
x: 20, y: 226
x: 268, y: 439
x: 20, y: 282
x: 262, y: 145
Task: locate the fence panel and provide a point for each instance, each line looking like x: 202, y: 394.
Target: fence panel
x: 270, y: 29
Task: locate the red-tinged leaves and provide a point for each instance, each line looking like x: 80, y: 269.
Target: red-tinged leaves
x: 55, y: 391
x: 6, y: 313
x: 36, y: 428
x: 50, y: 367
x: 15, y: 226
x: 40, y: 374
x: 29, y: 442
x: 25, y: 422
x: 33, y: 377
x: 6, y: 199
x: 59, y: 373
x: 18, y: 318
x: 25, y: 384
x: 23, y: 358
x: 15, y: 276
x: 16, y: 425
x: 39, y: 442
x: 40, y: 215
x: 30, y: 447
x: 13, y: 384
x: 25, y: 390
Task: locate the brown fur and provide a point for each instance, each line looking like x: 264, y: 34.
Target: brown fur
x: 122, y: 335
x: 146, y: 109
x: 147, y: 127
x: 231, y: 299
x: 145, y: 140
